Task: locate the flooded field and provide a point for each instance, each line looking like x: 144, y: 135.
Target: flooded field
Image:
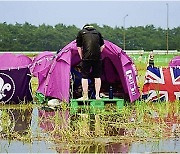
x: 138, y: 128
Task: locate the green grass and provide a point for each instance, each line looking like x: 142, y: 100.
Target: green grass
x: 138, y: 121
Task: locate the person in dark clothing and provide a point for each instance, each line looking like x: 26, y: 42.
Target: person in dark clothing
x: 90, y: 44
x: 151, y: 59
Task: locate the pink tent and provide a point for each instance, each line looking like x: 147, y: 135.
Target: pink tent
x: 10, y: 60
x: 175, y: 61
x: 54, y: 80
x: 15, y: 78
x: 41, y: 61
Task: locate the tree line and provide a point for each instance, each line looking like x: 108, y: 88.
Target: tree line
x: 28, y: 37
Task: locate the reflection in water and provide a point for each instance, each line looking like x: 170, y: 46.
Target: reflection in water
x: 15, y: 121
x: 117, y: 148
x: 7, y: 121
x: 53, y: 120
x: 94, y: 147
x: 22, y: 120
x: 55, y: 123
x: 17, y: 131
x: 41, y: 130
x: 162, y: 146
x: 70, y: 133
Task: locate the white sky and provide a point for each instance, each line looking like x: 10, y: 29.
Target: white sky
x: 111, y: 13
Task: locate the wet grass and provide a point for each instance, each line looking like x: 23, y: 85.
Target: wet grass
x: 82, y: 132
x: 138, y: 122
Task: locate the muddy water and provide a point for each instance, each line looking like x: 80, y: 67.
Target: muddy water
x: 30, y: 131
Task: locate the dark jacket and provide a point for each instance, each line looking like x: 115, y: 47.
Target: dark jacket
x: 90, y: 40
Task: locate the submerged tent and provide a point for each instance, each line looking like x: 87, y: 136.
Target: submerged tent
x: 175, y: 61
x: 15, y: 78
x: 118, y: 71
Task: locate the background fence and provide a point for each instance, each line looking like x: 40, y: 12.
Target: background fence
x: 160, y: 56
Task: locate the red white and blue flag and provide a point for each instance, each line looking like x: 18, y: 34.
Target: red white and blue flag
x: 162, y: 84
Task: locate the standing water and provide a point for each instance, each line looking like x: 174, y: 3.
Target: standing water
x: 35, y: 129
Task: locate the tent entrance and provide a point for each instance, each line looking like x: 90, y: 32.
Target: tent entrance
x: 109, y: 78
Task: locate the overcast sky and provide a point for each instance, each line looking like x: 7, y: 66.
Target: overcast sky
x: 111, y: 13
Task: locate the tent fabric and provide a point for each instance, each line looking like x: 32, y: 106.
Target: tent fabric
x: 11, y: 61
x: 175, y: 61
x: 15, y: 85
x: 41, y: 61
x: 15, y: 78
x: 56, y: 82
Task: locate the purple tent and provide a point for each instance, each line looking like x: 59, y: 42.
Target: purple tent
x: 54, y: 80
x: 41, y: 61
x: 15, y: 78
x: 175, y: 61
x: 10, y: 60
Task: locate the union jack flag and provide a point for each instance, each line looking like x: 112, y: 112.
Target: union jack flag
x: 162, y: 84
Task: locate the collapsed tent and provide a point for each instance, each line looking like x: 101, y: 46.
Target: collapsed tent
x: 118, y: 72
x: 175, y: 61
x: 162, y: 84
x: 15, y: 78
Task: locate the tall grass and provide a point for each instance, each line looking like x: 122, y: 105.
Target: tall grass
x: 139, y: 121
x: 79, y: 132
